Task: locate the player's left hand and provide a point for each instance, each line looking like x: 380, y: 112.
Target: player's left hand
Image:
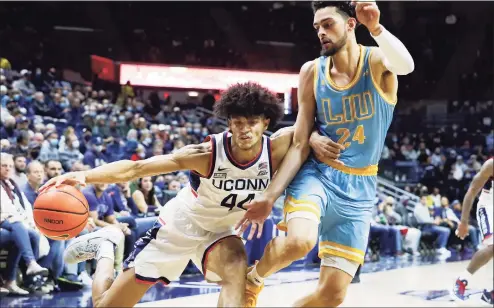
x: 462, y: 230
x: 257, y: 212
x: 325, y: 147
x: 368, y: 14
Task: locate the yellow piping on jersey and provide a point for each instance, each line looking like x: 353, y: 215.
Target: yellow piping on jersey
x: 370, y: 170
x: 335, y: 249
x: 377, y: 87
x: 293, y: 205
x: 356, y: 78
x: 316, y: 75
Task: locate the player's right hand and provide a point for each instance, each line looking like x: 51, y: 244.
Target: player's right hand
x: 325, y: 147
x: 257, y: 212
x: 71, y: 178
x: 462, y: 230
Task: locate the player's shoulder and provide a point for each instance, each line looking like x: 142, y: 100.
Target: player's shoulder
x: 376, y: 55
x: 308, y: 67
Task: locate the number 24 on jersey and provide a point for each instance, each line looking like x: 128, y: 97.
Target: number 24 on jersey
x: 344, y: 133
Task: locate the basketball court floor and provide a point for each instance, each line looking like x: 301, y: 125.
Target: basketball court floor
x: 412, y: 282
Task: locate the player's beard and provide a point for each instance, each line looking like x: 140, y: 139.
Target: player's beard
x: 331, y: 51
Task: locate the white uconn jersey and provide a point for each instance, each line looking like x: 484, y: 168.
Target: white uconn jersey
x: 215, y: 202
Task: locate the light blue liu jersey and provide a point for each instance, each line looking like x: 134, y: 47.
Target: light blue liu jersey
x: 358, y: 116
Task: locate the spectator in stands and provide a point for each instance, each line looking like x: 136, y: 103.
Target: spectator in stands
x: 8, y: 130
x: 145, y: 197
x: 24, y: 84
x: 49, y: 149
x: 53, y: 168
x: 14, y: 217
x: 5, y: 146
x: 389, y: 237
x: 114, y: 149
x: 174, y: 186
x: 446, y: 217
x: 22, y: 143
x: 42, y: 107
x: 146, y: 141
x: 19, y: 174
x: 436, y: 157
x: 176, y: 118
x: 35, y: 177
x: 458, y: 168
x: 436, y: 197
x: 125, y: 206
x: 74, y: 115
x: 122, y: 198
x: 77, y: 166
x: 95, y: 156
x: 71, y: 152
x: 427, y: 224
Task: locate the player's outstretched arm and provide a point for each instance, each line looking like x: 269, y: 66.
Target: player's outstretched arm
x: 392, y: 53
x: 191, y: 157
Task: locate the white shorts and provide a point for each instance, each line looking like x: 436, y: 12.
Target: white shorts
x: 164, y: 252
x: 484, y: 216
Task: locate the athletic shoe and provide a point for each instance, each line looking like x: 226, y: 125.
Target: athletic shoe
x: 87, y: 246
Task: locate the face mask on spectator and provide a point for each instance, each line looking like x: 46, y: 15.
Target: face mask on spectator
x: 487, y: 121
x: 142, y: 154
x: 75, y: 144
x: 148, y: 140
x: 65, y: 92
x: 197, y: 131
x: 99, y: 148
x: 189, y: 130
x: 121, y: 118
x: 17, y: 97
x: 64, y: 104
x: 54, y: 142
x: 205, y: 133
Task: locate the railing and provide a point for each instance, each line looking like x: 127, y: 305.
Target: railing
x: 389, y: 189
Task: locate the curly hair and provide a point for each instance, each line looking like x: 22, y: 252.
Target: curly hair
x: 345, y: 8
x: 247, y: 100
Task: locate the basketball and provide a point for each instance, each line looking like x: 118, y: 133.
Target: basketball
x: 61, y: 213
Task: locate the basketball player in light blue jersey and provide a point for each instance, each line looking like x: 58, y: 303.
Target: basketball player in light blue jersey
x: 349, y: 93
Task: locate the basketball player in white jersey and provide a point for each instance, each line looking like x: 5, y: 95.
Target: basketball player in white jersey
x: 227, y: 172
x: 485, y: 221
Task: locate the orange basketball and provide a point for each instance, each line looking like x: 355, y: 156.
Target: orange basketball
x: 61, y: 213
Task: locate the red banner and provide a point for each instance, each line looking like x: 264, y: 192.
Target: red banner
x: 103, y: 67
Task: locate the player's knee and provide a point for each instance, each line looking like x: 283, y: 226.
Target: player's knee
x: 331, y: 294
x: 297, y: 247
x: 234, y: 266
